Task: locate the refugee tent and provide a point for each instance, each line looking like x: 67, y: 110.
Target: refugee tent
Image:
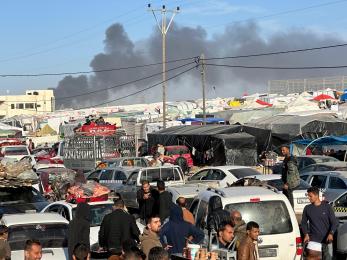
x: 302, y: 104
x: 323, y: 97
x: 289, y: 126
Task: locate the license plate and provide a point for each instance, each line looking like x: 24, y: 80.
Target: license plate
x: 267, y: 252
x: 303, y: 201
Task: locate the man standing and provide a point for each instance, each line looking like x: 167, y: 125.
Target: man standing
x: 79, y: 228
x: 318, y: 225
x: 248, y: 249
x: 239, y: 227
x: 32, y: 250
x: 164, y: 201
x: 290, y: 174
x: 225, y: 235
x: 81, y: 252
x: 147, y: 198
x: 116, y: 228
x: 217, y: 214
x: 187, y: 215
x: 150, y: 237
x: 31, y: 145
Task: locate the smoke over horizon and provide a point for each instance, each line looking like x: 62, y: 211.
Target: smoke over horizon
x: 183, y: 42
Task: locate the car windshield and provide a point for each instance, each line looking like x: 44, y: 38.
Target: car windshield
x: 98, y: 212
x: 16, y: 151
x: 22, y: 195
x: 325, y: 159
x: 341, y: 169
x: 278, y: 184
x: 280, y: 221
x: 50, y: 235
x: 243, y: 172
x: 177, y: 150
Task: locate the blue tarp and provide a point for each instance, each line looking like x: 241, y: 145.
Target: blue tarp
x: 326, y: 140
x: 209, y: 120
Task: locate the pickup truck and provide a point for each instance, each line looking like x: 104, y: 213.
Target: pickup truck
x: 171, y: 175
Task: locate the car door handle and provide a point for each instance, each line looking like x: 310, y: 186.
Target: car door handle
x: 47, y: 251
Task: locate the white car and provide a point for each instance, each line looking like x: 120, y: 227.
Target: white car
x: 49, y: 229
x: 222, y: 175
x: 16, y: 152
x: 188, y: 191
x: 279, y: 237
x: 299, y: 193
x: 98, y: 211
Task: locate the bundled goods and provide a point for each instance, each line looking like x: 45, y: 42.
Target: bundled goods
x: 16, y: 174
x: 59, y: 182
x: 90, y: 191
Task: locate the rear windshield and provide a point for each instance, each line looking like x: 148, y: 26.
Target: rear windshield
x: 10, y: 196
x: 178, y: 150
x: 280, y: 220
x: 243, y: 172
x: 16, y: 151
x: 97, y: 213
x: 50, y: 235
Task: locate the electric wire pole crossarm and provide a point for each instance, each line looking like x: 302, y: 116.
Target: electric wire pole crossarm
x: 163, y: 28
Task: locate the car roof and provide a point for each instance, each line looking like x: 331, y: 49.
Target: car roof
x: 32, y: 218
x: 121, y: 158
x: 332, y: 164
x: 187, y: 189
x: 314, y: 156
x: 74, y: 205
x: 335, y: 173
x: 242, y: 193
x: 265, y: 177
x: 227, y: 167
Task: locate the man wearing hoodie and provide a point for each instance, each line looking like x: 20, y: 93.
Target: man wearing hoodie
x: 79, y: 228
x: 175, y: 233
x: 150, y: 237
x: 217, y: 214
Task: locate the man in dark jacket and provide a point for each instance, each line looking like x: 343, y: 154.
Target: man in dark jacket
x: 79, y: 228
x: 147, y: 198
x: 290, y: 174
x: 116, y: 228
x: 165, y: 201
x: 217, y: 214
x: 174, y: 234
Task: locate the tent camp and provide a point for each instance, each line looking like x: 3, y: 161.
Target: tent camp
x: 215, y: 144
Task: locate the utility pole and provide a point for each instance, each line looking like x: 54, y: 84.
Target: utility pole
x: 202, y: 72
x: 163, y: 28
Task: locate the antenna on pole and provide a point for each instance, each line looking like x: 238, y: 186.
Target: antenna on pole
x: 164, y: 28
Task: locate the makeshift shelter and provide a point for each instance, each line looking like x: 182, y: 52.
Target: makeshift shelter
x: 323, y: 97
x: 302, y: 104
x: 10, y: 131
x: 46, y: 130
x: 215, y: 144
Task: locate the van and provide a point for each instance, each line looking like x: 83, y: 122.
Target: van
x: 279, y: 237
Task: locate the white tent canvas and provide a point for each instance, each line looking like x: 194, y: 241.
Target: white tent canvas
x: 301, y: 104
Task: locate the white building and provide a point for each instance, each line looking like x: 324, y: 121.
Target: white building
x: 32, y: 103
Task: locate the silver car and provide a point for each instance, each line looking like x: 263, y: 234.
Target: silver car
x: 331, y: 183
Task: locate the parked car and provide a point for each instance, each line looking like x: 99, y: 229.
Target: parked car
x: 21, y: 200
x: 49, y: 229
x: 222, y: 175
x: 110, y: 177
x: 323, y: 167
x: 304, y: 161
x: 124, y: 162
x: 332, y: 183
x: 98, y: 211
x: 188, y: 191
x: 339, y: 204
x: 173, y: 152
x: 172, y: 175
x: 16, y: 152
x: 299, y: 193
x: 279, y: 230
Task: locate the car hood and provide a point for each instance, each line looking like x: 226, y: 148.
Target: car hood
x: 47, y: 254
x: 22, y: 207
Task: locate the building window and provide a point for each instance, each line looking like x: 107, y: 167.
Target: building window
x: 20, y: 106
x: 29, y: 93
x: 38, y: 105
x: 29, y: 105
x: 12, y: 106
x: 35, y: 93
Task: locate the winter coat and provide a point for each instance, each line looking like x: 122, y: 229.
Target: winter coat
x: 240, y: 233
x: 116, y: 228
x: 147, y: 207
x: 176, y: 231
x: 149, y: 240
x: 165, y: 202
x: 247, y: 250
x: 79, y: 228
x: 290, y: 172
x: 217, y: 214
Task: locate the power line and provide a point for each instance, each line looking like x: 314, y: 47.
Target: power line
x: 279, y: 52
x: 139, y: 91
x: 94, y: 71
x: 277, y: 68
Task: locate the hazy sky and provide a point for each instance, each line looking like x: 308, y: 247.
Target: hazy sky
x: 43, y: 36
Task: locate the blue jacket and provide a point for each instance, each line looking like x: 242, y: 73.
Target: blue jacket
x: 176, y: 230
